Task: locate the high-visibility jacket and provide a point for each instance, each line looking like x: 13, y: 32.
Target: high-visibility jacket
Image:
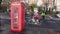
x: 43, y: 14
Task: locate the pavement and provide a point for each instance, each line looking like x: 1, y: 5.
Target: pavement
x: 46, y: 27
x: 48, y: 17
x: 30, y: 29
x: 34, y: 29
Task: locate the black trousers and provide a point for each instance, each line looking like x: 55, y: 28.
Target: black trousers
x: 43, y: 17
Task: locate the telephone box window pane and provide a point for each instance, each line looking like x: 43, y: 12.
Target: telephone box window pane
x: 15, y: 10
x: 15, y: 20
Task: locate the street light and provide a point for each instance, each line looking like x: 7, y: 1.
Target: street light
x: 0, y: 3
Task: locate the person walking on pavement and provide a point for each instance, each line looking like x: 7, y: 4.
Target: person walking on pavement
x: 29, y: 14
x: 36, y: 16
x: 43, y: 15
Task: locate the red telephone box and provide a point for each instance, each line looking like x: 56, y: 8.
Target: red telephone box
x: 17, y: 16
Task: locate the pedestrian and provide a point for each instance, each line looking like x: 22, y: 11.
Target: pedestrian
x: 36, y: 16
x: 43, y: 15
x: 31, y: 11
x: 29, y: 14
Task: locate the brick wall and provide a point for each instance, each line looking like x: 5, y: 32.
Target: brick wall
x: 35, y: 1
x: 48, y: 1
x: 31, y: 1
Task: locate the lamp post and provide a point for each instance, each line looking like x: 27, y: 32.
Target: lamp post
x: 0, y: 3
